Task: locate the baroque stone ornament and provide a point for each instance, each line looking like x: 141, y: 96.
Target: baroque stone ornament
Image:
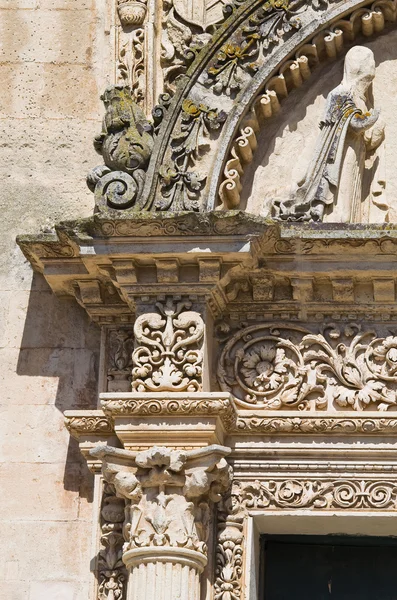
x: 131, y: 12
x: 169, y: 354
x: 168, y: 495
x: 267, y: 27
x: 229, y: 550
x: 181, y: 187
x: 291, y: 73
x: 125, y: 144
x: 280, y: 366
x: 120, y: 345
x: 341, y: 494
x: 333, y: 182
x: 112, y: 574
x: 131, y: 63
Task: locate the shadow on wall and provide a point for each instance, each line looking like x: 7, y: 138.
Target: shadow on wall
x: 60, y: 342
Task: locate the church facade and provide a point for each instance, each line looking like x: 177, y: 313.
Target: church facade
x: 218, y: 303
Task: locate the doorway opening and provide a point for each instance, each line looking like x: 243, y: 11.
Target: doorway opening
x: 328, y: 567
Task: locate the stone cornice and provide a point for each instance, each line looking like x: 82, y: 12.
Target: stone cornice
x: 109, y: 263
x: 100, y: 423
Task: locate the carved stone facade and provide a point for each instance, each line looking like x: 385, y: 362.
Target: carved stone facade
x: 228, y: 301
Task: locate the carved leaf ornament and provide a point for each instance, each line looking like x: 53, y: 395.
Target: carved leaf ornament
x: 283, y: 367
x: 169, y: 356
x: 266, y: 28
x: 295, y: 494
x: 180, y: 186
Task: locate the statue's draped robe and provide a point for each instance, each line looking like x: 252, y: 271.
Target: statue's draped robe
x: 323, y: 177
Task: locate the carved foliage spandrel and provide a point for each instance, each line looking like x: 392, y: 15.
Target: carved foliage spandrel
x: 169, y: 353
x: 112, y: 574
x: 288, y: 367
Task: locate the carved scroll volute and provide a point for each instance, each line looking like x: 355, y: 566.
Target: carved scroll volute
x: 169, y: 499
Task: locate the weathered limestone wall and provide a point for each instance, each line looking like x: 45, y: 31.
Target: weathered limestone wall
x: 55, y: 61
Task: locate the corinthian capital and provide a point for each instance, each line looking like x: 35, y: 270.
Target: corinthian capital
x: 169, y: 495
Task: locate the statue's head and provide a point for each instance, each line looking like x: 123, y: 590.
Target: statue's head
x: 359, y: 67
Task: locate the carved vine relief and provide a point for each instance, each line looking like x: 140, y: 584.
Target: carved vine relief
x: 112, y: 574
x: 168, y: 354
x: 290, y: 494
x: 288, y: 367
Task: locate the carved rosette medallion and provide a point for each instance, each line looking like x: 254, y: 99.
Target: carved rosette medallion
x: 288, y: 367
x: 168, y: 355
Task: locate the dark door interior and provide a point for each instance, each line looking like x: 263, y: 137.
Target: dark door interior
x: 329, y: 568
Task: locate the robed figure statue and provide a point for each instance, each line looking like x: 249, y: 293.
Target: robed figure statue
x: 332, y: 186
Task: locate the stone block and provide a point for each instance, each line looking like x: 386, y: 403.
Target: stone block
x: 66, y: 378
x: 56, y: 590
x: 70, y: 91
x: 18, y: 4
x: 32, y: 434
x: 67, y: 4
x: 58, y: 36
x: 55, y: 551
x: 22, y: 86
x: 15, y: 590
x: 48, y: 498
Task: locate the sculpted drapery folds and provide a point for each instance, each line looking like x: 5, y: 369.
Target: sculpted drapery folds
x: 332, y: 187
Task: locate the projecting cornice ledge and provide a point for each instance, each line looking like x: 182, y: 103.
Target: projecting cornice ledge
x: 107, y: 263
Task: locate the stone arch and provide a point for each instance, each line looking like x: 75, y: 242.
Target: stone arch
x: 326, y: 26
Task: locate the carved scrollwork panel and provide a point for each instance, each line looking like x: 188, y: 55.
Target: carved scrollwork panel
x: 288, y: 367
x: 339, y: 494
x: 169, y: 354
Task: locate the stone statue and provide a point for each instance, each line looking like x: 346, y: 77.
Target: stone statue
x: 125, y: 143
x: 332, y: 186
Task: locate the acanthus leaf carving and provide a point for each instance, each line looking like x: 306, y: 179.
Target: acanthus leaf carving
x: 169, y: 355
x: 266, y: 27
x: 281, y: 366
x: 180, y: 187
x: 168, y: 493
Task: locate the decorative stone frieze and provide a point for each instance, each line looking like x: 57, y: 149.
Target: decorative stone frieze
x: 169, y: 496
x: 283, y: 366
